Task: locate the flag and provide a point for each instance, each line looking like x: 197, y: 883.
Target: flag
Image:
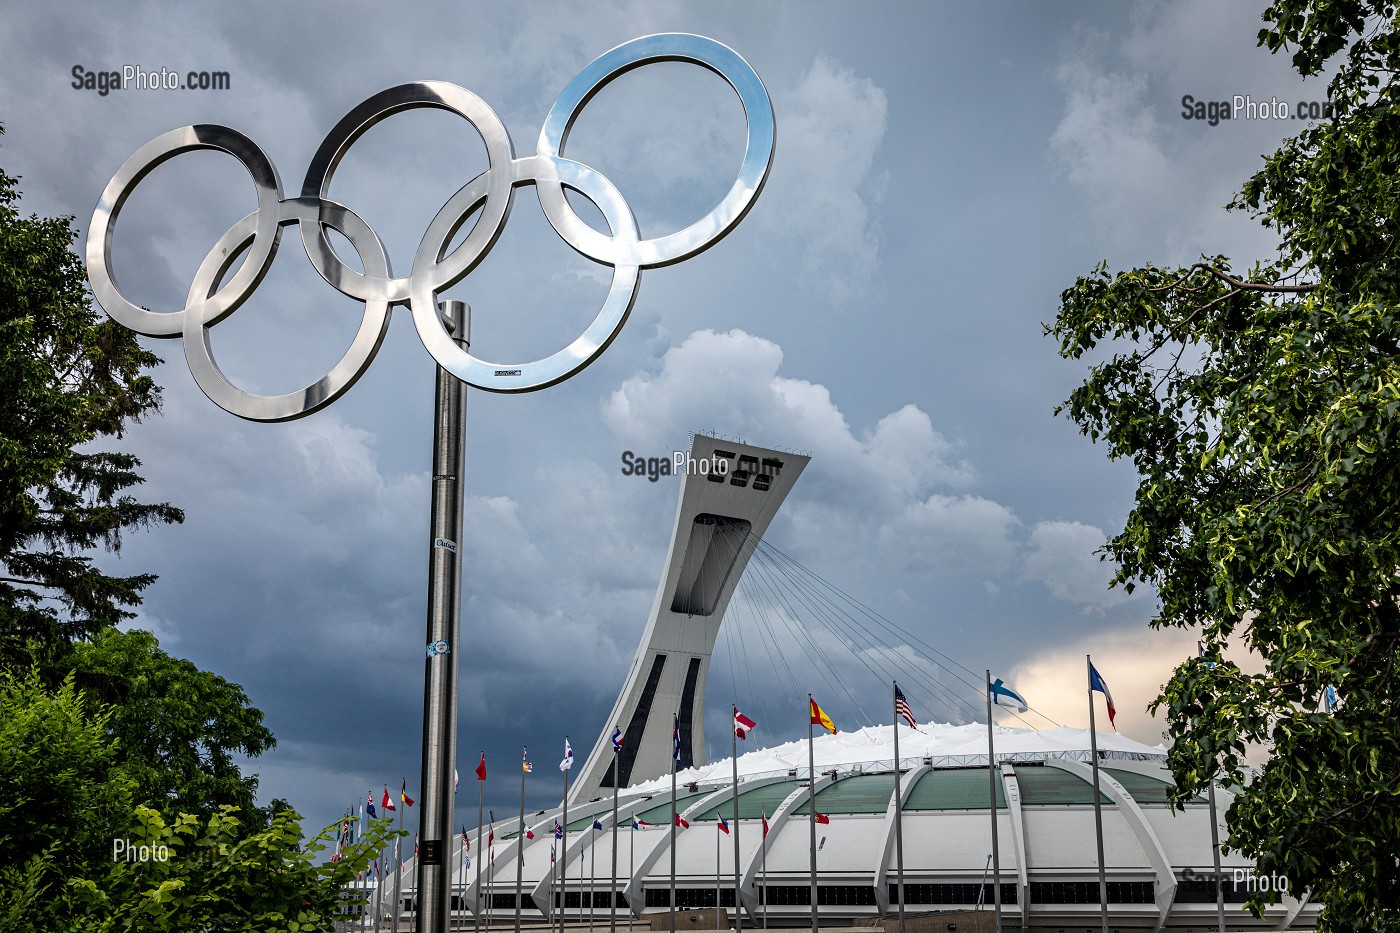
x: 386, y: 803
x: 369, y: 804
x: 823, y: 819
x: 552, y: 853
x: 617, y: 740
x: 676, y: 741
x: 525, y: 765
x: 529, y: 834
x: 723, y: 826
x: 820, y: 718
x: 596, y: 824
x: 765, y: 824
x: 466, y: 842
x: 743, y: 725
x: 1201, y: 653
x: 558, y: 830
x: 901, y: 706
x: 481, y: 768
x: 491, y: 837
x: 568, y: 761
x: 681, y: 823
x: 1331, y: 695
x: 454, y: 780
x: 1096, y: 682
x: 639, y: 823
x: 403, y: 795
x: 1013, y: 698
x: 415, y: 845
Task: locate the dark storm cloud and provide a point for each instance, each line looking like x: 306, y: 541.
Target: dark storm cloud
x: 941, y: 175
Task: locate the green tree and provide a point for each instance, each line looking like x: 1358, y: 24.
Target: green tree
x: 70, y: 378
x: 178, y: 728
x: 63, y: 794
x: 1262, y: 411
x: 67, y: 823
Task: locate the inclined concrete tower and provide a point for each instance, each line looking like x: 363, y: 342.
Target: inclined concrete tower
x: 720, y: 518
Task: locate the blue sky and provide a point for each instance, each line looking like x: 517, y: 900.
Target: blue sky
x: 942, y: 173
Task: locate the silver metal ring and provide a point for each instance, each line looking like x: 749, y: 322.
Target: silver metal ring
x: 252, y: 242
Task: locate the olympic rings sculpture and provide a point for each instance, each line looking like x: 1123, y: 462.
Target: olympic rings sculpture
x: 215, y: 294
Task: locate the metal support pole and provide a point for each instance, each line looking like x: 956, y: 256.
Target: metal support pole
x: 632, y: 870
x: 612, y: 884
x: 564, y: 847
x: 671, y: 926
x: 812, y: 811
x: 398, y: 875
x: 992, y: 778
x: 734, y: 763
x: 1098, y: 812
x: 520, y: 843
x: 480, y: 853
x: 434, y: 887
x: 1215, y: 852
x: 898, y: 815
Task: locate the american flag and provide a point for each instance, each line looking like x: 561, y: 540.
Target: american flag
x: 901, y: 707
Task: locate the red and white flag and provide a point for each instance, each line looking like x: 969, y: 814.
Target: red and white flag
x: 743, y: 725
x: 681, y: 823
x: 387, y: 803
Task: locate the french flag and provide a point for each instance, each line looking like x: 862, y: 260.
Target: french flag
x: 1096, y: 682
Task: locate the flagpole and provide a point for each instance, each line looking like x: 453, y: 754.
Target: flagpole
x: 592, y: 880
x: 675, y: 755
x: 734, y: 830
x: 812, y: 810
x: 398, y: 869
x: 564, y: 845
x: 520, y: 839
x: 898, y: 814
x: 764, y: 848
x: 612, y: 886
x: 1098, y: 811
x: 631, y: 866
x: 491, y: 872
x: 717, y: 881
x: 480, y: 802
x: 992, y: 791
x: 462, y: 870
x: 1215, y: 852
x: 378, y: 887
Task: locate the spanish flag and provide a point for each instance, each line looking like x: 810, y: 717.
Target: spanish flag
x: 820, y: 718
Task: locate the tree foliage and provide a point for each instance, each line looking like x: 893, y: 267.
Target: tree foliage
x: 69, y: 377
x: 178, y: 728
x: 66, y: 798
x: 1262, y: 411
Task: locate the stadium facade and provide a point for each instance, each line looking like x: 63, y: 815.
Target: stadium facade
x: 1159, y: 860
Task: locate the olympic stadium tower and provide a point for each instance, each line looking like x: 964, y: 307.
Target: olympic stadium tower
x: 1159, y: 861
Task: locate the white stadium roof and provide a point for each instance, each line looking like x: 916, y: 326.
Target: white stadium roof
x: 873, y: 746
